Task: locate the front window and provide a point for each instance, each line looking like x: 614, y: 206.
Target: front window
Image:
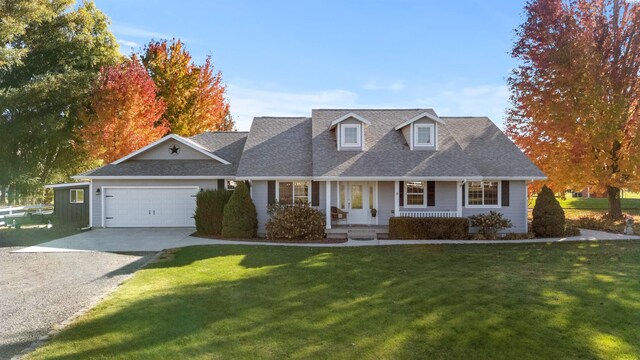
x: 483, y: 193
x: 350, y: 135
x: 415, y: 193
x: 76, y: 196
x: 290, y: 192
x: 423, y: 135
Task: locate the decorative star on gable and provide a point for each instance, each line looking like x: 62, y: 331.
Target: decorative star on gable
x: 174, y: 150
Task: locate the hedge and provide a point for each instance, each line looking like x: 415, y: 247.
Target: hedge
x: 408, y: 228
x: 209, y: 211
x: 294, y: 222
x: 548, y: 216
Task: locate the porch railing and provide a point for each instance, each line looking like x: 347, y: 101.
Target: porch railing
x: 421, y: 214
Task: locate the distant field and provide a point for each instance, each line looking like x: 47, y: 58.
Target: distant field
x: 631, y: 201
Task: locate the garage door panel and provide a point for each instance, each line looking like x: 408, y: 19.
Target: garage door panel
x: 150, y: 207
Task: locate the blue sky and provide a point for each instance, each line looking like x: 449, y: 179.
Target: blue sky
x: 287, y: 57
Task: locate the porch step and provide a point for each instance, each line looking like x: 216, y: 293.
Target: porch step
x: 362, y: 234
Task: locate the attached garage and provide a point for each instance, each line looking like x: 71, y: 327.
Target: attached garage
x: 149, y: 206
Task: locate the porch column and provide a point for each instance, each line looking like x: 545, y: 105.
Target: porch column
x: 459, y: 197
x: 396, y: 199
x: 327, y: 192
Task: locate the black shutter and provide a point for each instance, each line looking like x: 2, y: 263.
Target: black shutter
x: 431, y: 193
x: 220, y: 184
x: 463, y: 194
x: 505, y: 193
x: 401, y: 194
x: 271, y: 192
x: 315, y: 193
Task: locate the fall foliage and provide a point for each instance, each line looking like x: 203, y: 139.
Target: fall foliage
x: 576, y: 94
x: 125, y: 113
x: 195, y: 95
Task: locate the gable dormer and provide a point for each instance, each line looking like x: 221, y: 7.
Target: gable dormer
x: 350, y: 132
x: 421, y: 132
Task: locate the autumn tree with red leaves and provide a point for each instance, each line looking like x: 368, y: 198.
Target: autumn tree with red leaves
x: 576, y: 94
x: 195, y: 95
x: 125, y: 113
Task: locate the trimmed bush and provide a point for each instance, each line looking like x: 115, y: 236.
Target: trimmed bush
x: 489, y: 224
x: 240, y: 218
x: 210, y: 210
x: 548, y: 216
x: 407, y: 228
x: 294, y: 222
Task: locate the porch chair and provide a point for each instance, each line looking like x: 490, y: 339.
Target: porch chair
x: 337, y: 214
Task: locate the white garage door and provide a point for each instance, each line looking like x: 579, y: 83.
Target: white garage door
x: 149, y: 207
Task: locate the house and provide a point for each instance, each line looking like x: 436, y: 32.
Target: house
x: 400, y: 162
x: 71, y: 203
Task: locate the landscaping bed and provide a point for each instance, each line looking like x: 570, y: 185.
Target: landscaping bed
x: 265, y: 240
x: 525, y: 301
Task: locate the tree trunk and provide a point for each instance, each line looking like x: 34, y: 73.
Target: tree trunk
x: 615, y: 206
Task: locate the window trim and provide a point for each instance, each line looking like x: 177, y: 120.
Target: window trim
x: 483, y: 206
x: 358, y: 128
x: 293, y: 194
x: 72, y: 191
x: 431, y: 127
x: 424, y: 195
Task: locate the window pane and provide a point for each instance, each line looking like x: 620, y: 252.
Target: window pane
x: 370, y: 196
x: 350, y: 135
x: 356, y: 196
x: 491, y: 193
x: 285, y: 190
x: 342, y: 196
x: 415, y: 193
x: 80, y: 196
x: 73, y: 196
x: 424, y: 135
x: 475, y: 193
x: 301, y: 191
x: 231, y: 185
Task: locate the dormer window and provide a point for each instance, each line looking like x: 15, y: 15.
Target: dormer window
x: 423, y: 135
x: 351, y: 135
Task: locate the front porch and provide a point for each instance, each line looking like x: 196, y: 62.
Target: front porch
x: 354, y: 207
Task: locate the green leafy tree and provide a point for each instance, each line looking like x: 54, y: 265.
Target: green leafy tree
x: 240, y: 217
x: 548, y: 216
x: 194, y: 94
x: 61, y: 53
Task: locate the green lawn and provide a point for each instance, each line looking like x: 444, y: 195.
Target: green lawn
x: 30, y: 235
x: 554, y: 301
x: 591, y: 203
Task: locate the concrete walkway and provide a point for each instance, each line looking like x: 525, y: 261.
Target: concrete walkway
x: 157, y: 239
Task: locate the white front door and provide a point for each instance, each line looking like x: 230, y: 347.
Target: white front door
x: 357, y: 203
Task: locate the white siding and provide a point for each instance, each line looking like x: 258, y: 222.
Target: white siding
x: 385, y: 201
x: 161, y: 152
x: 260, y: 198
x: 96, y: 200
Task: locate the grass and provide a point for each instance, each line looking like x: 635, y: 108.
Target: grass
x: 555, y: 301
x: 599, y: 204
x: 30, y: 235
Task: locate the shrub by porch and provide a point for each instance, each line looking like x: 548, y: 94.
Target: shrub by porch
x: 409, y: 228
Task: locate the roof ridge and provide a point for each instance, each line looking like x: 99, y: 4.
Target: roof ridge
x: 374, y: 109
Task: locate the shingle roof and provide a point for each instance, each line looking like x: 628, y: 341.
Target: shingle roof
x: 227, y: 145
x: 165, y: 168
x: 490, y: 150
x: 386, y: 151
x: 277, y: 146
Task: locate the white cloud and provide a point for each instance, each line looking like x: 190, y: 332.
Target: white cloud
x: 131, y: 44
x: 481, y: 100
x: 133, y: 31
x: 394, y: 86
x: 246, y: 103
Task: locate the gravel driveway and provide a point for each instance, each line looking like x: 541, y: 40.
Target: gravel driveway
x: 39, y: 290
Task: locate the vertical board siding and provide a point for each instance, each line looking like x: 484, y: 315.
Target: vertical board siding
x: 68, y: 212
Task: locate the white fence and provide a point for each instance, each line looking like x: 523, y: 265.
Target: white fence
x: 10, y: 211
x: 435, y: 214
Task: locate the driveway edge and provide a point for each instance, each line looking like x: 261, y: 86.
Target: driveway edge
x: 57, y: 328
